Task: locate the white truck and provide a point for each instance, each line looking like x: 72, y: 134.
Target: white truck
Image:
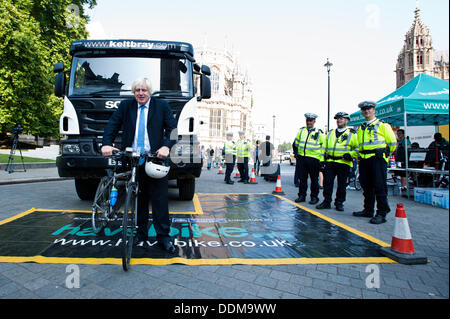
x: 100, y: 77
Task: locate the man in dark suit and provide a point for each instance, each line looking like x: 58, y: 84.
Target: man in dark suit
x: 159, y: 123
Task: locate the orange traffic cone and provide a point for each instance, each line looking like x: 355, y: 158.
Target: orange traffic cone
x: 253, y: 177
x: 402, y: 248
x: 220, y: 170
x: 238, y: 175
x: 278, y: 190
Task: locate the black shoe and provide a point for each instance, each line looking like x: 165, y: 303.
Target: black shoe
x: 167, y: 246
x: 339, y: 207
x: 230, y: 182
x: 378, y: 219
x: 363, y: 213
x: 313, y: 201
x: 323, y: 205
x: 241, y: 181
x: 246, y: 182
x: 300, y: 199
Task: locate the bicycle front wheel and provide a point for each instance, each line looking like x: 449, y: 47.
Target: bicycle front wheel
x: 100, y: 206
x: 129, y: 226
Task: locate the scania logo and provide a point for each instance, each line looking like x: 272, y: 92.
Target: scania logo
x: 112, y: 104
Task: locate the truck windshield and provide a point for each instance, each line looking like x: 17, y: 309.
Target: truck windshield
x: 113, y: 76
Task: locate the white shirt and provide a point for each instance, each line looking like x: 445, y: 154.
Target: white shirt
x: 146, y: 141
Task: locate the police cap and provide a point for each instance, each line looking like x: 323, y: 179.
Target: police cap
x: 342, y: 114
x: 241, y: 132
x: 229, y: 133
x: 367, y: 105
x: 310, y: 116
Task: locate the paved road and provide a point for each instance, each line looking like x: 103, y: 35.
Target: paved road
x: 429, y: 226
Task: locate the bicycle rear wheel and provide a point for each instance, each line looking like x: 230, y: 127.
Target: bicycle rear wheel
x: 100, y: 206
x: 128, y: 226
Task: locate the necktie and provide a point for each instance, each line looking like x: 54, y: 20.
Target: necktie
x: 141, y: 133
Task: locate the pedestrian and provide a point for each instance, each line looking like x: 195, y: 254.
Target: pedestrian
x: 256, y: 155
x: 437, y: 152
x: 202, y: 154
x: 400, y: 157
x: 210, y: 154
x: 376, y: 142
x: 229, y: 150
x: 309, y: 153
x: 339, y: 150
x: 146, y: 123
x: 266, y: 155
x: 243, y: 154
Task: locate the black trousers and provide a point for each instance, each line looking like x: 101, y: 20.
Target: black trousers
x: 242, y: 166
x: 296, y: 174
x: 372, y: 176
x: 229, y: 166
x: 154, y: 191
x: 333, y: 170
x: 308, y: 167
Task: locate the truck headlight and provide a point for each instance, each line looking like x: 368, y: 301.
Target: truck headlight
x: 71, y: 149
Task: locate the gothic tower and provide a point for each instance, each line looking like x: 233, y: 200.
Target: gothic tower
x: 418, y: 56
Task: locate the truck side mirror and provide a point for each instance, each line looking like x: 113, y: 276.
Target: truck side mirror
x: 196, y: 67
x: 59, y: 67
x: 205, y: 87
x: 60, y: 84
x: 206, y: 70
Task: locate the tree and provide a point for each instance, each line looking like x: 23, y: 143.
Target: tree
x: 24, y: 85
x: 34, y: 35
x: 286, y: 146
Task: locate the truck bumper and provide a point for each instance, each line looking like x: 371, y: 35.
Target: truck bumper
x: 96, y: 166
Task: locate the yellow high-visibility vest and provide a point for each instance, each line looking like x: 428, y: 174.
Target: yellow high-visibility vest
x: 335, y: 148
x: 309, y: 143
x: 376, y: 135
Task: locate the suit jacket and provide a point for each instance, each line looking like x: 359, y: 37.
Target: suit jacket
x: 160, y: 123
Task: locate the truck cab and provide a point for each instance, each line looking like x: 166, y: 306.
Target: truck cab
x: 100, y: 77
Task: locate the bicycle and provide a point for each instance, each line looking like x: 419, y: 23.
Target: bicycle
x: 104, y: 211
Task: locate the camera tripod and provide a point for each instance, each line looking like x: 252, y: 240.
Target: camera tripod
x: 15, y: 146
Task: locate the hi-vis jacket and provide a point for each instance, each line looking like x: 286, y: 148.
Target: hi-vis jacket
x: 335, y: 148
x: 378, y: 135
x: 243, y: 148
x: 230, y: 148
x: 309, y: 143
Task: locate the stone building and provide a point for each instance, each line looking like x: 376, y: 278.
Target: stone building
x: 418, y: 55
x: 230, y: 105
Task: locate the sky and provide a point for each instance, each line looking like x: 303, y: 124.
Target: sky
x: 284, y: 45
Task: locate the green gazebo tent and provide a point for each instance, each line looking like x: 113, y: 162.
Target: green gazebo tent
x: 420, y: 102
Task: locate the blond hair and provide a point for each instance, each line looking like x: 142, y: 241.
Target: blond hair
x: 140, y: 82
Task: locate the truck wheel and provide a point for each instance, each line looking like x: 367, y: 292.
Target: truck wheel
x: 86, y: 188
x: 186, y: 188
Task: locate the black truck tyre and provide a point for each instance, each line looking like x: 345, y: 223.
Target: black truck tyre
x: 186, y: 188
x: 86, y: 188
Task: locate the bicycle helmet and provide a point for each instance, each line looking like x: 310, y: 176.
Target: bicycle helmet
x: 156, y: 168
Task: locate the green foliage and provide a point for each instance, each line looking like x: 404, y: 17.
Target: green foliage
x: 34, y: 35
x: 286, y: 146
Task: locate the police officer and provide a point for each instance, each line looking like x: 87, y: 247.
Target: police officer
x: 308, y: 152
x: 243, y: 154
x: 339, y: 150
x: 230, y: 157
x: 376, y: 142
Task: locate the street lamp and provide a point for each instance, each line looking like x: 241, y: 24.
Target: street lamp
x: 328, y: 65
x: 273, y: 132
